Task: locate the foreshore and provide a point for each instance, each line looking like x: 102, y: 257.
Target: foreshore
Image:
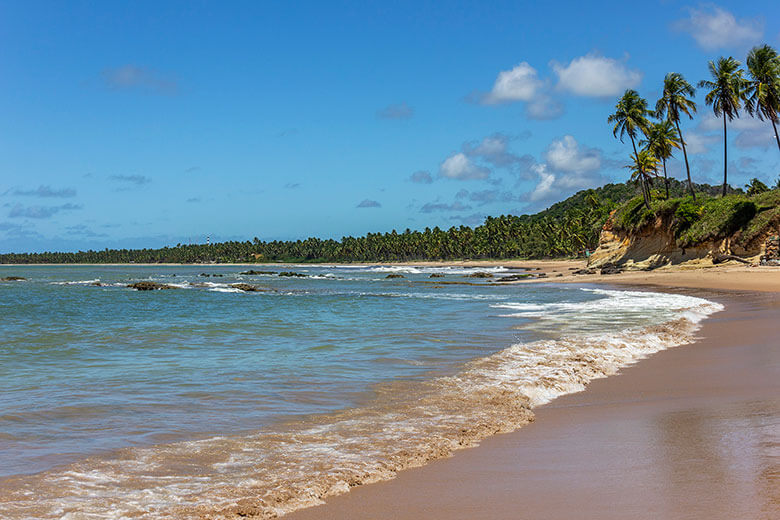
x: 691, y: 432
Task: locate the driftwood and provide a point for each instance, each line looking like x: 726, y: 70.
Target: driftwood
x: 719, y: 259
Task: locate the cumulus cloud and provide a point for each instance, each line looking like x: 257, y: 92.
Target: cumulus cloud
x: 595, y: 76
x: 367, y: 203
x: 421, y: 177
x: 47, y: 192
x: 459, y: 166
x: 544, y: 188
x: 566, y: 155
x: 398, y: 111
x: 430, y: 207
x: 697, y: 143
x: 521, y: 83
x: 713, y: 28
x: 544, y: 107
x: 494, y: 149
x: 138, y: 180
x: 40, y: 212
x: 135, y: 77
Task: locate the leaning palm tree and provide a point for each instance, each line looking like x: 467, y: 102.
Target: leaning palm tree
x: 673, y: 103
x: 661, y: 141
x: 643, y: 168
x: 725, y: 93
x: 762, y: 92
x: 629, y: 118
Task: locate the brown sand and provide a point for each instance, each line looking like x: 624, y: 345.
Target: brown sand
x: 690, y: 433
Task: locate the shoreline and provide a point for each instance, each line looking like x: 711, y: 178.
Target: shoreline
x: 668, y: 437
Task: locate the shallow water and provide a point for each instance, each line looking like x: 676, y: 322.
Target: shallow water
x: 210, y: 400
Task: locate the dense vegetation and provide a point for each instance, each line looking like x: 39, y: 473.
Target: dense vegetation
x: 566, y: 229
x: 706, y: 218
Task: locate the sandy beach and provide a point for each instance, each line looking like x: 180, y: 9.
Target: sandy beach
x: 691, y: 432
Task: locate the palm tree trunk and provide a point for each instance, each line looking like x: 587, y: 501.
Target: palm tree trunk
x: 685, y: 154
x: 641, y: 176
x: 774, y: 126
x: 725, y: 156
x: 666, y: 179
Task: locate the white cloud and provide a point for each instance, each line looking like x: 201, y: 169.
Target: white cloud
x: 696, y: 143
x: 566, y: 155
x: 544, y: 107
x: 714, y: 28
x: 544, y: 189
x: 518, y: 84
x: 758, y: 138
x: 595, y: 76
x: 459, y: 166
x: 711, y: 123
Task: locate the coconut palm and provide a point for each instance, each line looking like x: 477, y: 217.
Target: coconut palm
x: 674, y: 102
x: 762, y: 92
x: 725, y: 94
x: 661, y: 141
x: 643, y: 168
x: 630, y: 117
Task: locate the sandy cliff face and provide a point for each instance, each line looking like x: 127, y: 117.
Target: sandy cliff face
x: 655, y: 246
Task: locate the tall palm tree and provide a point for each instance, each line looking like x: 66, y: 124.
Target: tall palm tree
x: 674, y: 102
x: 644, y: 168
x: 661, y: 141
x: 630, y: 117
x: 725, y: 94
x: 762, y: 92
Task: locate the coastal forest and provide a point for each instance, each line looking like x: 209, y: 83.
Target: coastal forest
x: 570, y: 228
x: 566, y: 229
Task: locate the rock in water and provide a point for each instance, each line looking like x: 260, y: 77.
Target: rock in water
x: 13, y: 279
x: 245, y: 287
x: 395, y: 276
x: 150, y: 286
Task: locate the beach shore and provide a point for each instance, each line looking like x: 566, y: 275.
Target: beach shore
x: 691, y: 432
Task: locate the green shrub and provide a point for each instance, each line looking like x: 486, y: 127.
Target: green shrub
x: 719, y: 218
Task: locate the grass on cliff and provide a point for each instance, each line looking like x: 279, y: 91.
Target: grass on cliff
x: 707, y: 218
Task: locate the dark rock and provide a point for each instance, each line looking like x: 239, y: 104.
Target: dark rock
x: 436, y: 275
x: 150, y: 286
x: 291, y: 273
x: 480, y: 274
x: 584, y: 271
x: 204, y: 275
x: 610, y: 269
x: 13, y: 279
x: 245, y: 287
x: 513, y: 278
x: 217, y: 275
x: 252, y: 271
x: 541, y: 275
x: 395, y: 276
x: 96, y: 284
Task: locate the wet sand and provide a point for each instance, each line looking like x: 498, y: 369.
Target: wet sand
x: 692, y: 432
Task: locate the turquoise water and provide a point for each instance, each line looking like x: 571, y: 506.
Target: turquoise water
x: 308, y: 378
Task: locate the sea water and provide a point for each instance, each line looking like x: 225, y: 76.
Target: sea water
x: 208, y: 400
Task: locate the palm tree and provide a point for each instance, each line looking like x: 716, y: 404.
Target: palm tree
x: 631, y: 116
x: 661, y: 142
x: 724, y: 95
x: 762, y: 92
x: 674, y: 102
x: 643, y: 168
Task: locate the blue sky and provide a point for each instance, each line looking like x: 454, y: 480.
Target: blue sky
x: 133, y: 124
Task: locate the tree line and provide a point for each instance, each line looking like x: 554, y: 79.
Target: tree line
x: 566, y: 229
x: 730, y: 89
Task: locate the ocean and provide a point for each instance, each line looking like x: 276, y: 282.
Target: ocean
x: 206, y: 400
